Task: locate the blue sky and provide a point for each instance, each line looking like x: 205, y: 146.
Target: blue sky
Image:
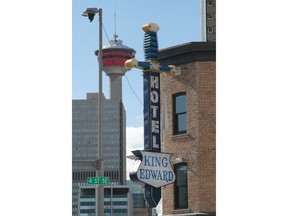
x: 179, y: 23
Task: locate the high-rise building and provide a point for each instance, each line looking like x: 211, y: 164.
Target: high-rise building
x: 139, y: 204
x: 208, y: 20
x: 85, y: 125
x: 117, y: 201
x: 85, y: 136
x: 85, y: 141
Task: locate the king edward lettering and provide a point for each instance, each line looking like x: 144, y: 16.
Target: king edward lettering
x: 156, y: 175
x: 155, y: 169
x: 155, y: 161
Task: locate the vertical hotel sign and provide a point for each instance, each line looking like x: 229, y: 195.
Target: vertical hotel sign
x: 152, y: 112
x: 153, y: 170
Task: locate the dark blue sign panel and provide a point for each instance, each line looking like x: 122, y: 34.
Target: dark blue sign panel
x: 152, y: 112
x: 152, y: 127
x: 152, y: 195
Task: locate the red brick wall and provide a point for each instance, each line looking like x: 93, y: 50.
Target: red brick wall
x: 198, y: 146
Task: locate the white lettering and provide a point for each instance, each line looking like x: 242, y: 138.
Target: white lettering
x: 154, y: 82
x: 155, y: 126
x: 154, y: 111
x: 154, y: 97
x: 155, y: 145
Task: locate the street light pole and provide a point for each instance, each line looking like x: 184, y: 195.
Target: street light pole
x: 111, y: 198
x: 90, y: 13
x: 100, y: 148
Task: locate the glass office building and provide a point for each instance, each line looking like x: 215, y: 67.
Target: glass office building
x: 117, y: 201
x: 85, y: 141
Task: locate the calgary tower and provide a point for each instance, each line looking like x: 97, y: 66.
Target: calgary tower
x: 114, y: 56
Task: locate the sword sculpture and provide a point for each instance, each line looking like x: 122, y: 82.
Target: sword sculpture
x: 151, y: 78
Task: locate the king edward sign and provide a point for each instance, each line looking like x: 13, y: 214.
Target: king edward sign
x: 153, y: 169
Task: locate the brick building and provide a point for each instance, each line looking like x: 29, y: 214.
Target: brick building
x: 188, y: 106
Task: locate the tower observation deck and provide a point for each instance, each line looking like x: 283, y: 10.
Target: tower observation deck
x: 114, y: 56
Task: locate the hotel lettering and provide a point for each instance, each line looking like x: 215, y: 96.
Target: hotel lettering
x: 155, y: 111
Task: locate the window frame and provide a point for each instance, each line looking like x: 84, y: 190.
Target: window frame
x: 176, y: 130
x: 210, y: 29
x: 210, y: 16
x: 176, y: 188
x: 210, y: 2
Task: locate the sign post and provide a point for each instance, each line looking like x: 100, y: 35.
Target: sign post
x: 152, y: 143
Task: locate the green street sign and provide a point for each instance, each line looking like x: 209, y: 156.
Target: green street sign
x: 98, y: 180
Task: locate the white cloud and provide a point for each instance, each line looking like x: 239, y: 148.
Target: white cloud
x: 134, y: 141
x: 135, y: 136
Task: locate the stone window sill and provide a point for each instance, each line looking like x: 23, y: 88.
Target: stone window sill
x: 181, y: 211
x: 180, y: 136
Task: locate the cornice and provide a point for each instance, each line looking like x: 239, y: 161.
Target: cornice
x: 188, y: 53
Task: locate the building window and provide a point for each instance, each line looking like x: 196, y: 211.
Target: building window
x: 210, y: 30
x: 181, y: 188
x: 209, y: 15
x: 179, y: 102
x: 210, y: 2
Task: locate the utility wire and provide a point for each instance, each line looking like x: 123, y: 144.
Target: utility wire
x: 105, y: 33
x: 133, y: 90
x: 125, y: 75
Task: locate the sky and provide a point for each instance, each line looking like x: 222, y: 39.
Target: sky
x: 179, y: 23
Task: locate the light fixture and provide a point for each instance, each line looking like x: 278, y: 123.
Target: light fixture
x: 90, y: 13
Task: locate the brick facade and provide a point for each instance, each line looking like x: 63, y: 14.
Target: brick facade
x: 198, y: 146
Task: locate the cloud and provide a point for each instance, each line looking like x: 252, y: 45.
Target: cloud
x: 134, y: 141
x: 134, y: 137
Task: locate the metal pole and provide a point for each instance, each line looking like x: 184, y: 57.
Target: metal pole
x: 111, y: 210
x: 78, y: 202
x: 100, y: 154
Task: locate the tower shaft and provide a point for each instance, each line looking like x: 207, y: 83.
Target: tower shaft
x: 115, y: 81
